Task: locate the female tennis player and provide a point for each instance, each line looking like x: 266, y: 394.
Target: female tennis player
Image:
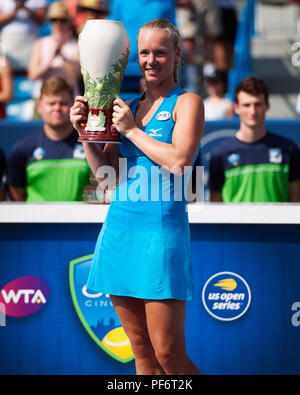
x: 142, y: 257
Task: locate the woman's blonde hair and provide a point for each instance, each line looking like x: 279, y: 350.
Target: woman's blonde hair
x: 166, y: 25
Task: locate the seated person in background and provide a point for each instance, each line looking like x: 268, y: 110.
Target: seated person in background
x: 72, y: 7
x: 224, y: 49
x: 2, y: 176
x: 49, y: 164
x: 56, y: 54
x: 20, y: 21
x: 6, y: 85
x: 217, y: 105
x: 255, y: 165
x: 89, y: 9
x: 187, y: 26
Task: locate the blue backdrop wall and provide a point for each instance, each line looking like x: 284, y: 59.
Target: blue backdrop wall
x: 258, y: 334
x: 10, y: 132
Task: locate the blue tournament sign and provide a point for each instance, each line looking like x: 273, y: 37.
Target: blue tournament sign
x: 79, y: 333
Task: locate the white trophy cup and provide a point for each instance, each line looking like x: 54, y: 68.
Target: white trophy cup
x: 103, y: 55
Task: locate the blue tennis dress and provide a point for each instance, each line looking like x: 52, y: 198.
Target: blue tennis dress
x: 143, y: 249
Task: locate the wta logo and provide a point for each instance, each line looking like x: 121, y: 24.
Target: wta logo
x: 226, y: 296
x: 24, y: 296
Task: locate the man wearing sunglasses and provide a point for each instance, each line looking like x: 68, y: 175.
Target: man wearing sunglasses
x: 89, y: 9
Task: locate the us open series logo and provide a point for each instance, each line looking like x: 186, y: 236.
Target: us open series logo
x: 226, y: 296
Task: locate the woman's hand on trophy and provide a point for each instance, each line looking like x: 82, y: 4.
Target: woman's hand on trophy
x: 79, y: 112
x: 122, y: 117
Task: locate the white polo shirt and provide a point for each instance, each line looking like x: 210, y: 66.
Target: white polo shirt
x: 22, y: 23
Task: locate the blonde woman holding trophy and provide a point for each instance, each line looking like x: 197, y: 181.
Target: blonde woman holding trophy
x: 142, y: 257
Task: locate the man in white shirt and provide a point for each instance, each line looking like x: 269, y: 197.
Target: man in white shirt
x: 20, y: 21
